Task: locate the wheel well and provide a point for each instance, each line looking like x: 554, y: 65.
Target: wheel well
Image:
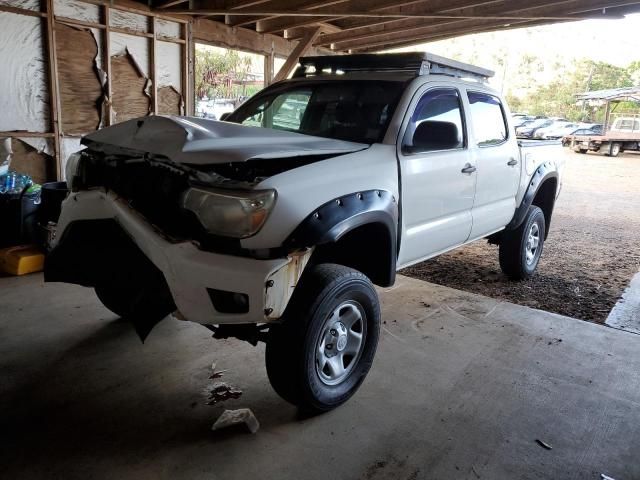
x: 369, y: 249
x: 545, y: 199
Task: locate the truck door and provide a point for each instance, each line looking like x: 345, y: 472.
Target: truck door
x: 437, y: 175
x: 496, y: 155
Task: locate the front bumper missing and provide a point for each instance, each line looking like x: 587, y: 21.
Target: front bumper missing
x: 189, y: 271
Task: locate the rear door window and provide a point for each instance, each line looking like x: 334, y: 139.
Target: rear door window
x: 488, y: 119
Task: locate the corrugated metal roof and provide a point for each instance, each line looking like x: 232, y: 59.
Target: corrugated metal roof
x: 619, y: 94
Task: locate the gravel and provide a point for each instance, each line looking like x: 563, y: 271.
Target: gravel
x: 591, y: 254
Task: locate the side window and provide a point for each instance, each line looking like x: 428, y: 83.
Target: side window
x: 436, y: 123
x: 487, y: 117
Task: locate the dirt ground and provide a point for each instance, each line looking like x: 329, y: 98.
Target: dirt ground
x: 591, y: 254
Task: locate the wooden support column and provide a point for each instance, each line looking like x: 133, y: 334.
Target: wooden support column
x: 303, y: 46
x: 269, y: 65
x: 54, y: 97
x: 607, y: 114
x: 106, y: 62
x: 152, y: 68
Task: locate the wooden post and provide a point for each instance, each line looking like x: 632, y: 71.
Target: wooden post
x: 152, y: 67
x: 56, y: 118
x: 607, y: 112
x: 187, y: 69
x: 269, y: 65
x: 304, y: 44
x: 106, y: 62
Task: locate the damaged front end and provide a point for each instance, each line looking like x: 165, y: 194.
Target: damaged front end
x: 167, y: 237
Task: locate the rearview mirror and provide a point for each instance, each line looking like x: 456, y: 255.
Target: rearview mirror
x: 432, y: 135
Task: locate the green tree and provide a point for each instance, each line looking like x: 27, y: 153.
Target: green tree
x: 218, y: 74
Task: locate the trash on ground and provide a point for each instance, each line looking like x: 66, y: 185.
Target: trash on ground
x: 544, y: 445
x: 237, y: 417
x: 222, y: 391
x: 216, y: 374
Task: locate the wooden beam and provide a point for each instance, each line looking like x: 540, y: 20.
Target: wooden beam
x: 534, y: 10
x: 153, y: 54
x: 303, y: 46
x: 55, y: 113
x: 22, y: 11
x: 216, y: 33
x: 275, y: 25
x: 72, y: 22
x: 106, y: 62
x: 169, y: 3
x: 25, y: 134
x: 239, y: 20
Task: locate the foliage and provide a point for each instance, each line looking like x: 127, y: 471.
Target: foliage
x: 558, y: 97
x: 220, y: 75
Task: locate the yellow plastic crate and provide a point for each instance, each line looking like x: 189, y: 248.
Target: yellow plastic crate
x: 21, y: 260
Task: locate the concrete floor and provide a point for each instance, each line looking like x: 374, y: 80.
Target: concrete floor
x: 461, y: 388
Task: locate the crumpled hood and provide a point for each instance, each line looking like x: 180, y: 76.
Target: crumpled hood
x: 199, y: 141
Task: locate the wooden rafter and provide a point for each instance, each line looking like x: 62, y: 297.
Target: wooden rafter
x: 303, y: 46
x: 399, y: 30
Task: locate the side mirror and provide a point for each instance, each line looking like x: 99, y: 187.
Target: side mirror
x: 224, y: 116
x: 432, y: 135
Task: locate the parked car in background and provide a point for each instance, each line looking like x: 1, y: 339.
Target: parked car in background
x: 556, y: 130
x: 214, y: 109
x: 528, y: 130
x: 584, y: 131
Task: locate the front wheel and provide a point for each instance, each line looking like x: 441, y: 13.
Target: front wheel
x: 520, y: 249
x: 321, y: 352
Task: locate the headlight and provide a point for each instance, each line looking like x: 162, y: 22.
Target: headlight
x: 231, y: 213
x: 71, y: 168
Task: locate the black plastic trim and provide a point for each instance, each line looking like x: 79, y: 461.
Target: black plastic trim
x: 542, y: 174
x: 340, y: 216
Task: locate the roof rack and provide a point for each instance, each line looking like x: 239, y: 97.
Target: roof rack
x: 417, y: 63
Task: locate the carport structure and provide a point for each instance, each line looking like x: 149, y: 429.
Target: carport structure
x: 93, y: 63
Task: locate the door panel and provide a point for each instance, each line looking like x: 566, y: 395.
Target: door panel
x: 436, y: 196
x: 497, y: 158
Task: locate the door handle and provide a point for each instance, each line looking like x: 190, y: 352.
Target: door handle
x: 468, y: 168
x: 513, y: 162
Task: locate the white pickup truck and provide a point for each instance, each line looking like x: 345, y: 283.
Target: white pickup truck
x: 275, y: 224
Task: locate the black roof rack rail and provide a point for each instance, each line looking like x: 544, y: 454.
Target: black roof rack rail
x: 417, y: 63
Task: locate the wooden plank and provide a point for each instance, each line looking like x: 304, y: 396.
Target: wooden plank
x: 106, y: 62
x: 153, y: 53
x: 53, y: 87
x: 347, y: 39
x: 168, y: 3
x: 25, y: 134
x: 129, y: 98
x: 129, y: 31
x: 186, y: 70
x: 216, y: 33
x: 303, y: 46
x: 22, y: 11
x: 72, y: 22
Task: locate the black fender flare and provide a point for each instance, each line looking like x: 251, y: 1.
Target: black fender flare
x: 543, y: 173
x: 334, y: 219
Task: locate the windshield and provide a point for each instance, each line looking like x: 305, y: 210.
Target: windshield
x: 352, y: 110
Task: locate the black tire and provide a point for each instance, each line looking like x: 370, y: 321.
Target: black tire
x: 120, y: 300
x: 615, y: 150
x: 582, y: 151
x: 292, y: 344
x: 513, y: 246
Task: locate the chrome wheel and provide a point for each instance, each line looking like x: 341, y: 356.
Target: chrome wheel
x: 341, y: 342
x: 533, y: 243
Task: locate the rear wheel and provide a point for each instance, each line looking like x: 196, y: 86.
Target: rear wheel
x: 321, y: 352
x: 520, y: 249
x: 615, y: 150
x: 583, y: 151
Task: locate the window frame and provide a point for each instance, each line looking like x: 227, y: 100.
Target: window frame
x: 504, y: 119
x: 463, y: 118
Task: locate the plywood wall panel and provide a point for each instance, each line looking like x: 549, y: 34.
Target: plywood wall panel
x: 79, y: 85
x: 169, y: 101
x: 129, y: 89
